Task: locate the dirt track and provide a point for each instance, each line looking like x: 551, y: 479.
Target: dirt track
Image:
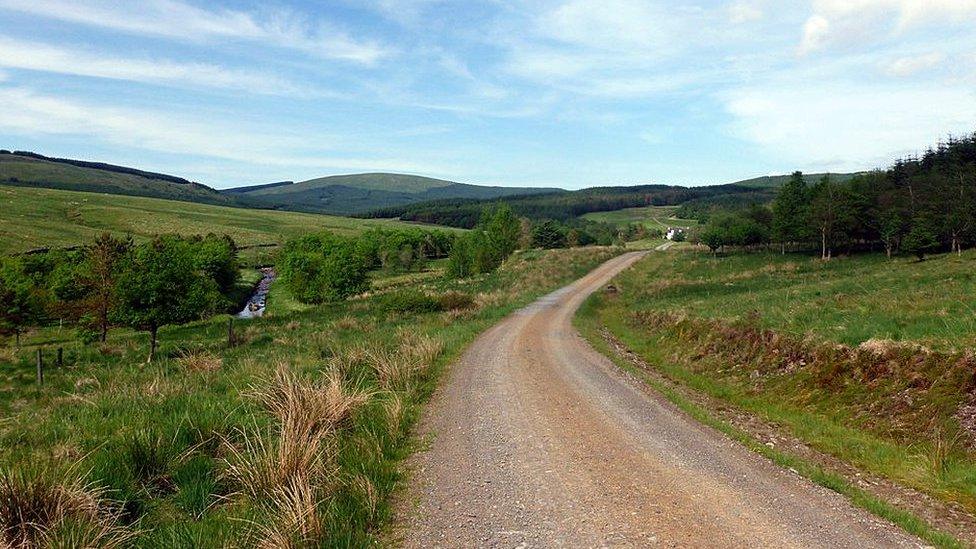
x: 541, y: 441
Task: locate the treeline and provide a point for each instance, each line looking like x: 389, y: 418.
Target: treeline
x: 562, y: 207
x: 917, y: 206
x: 324, y: 267
x: 105, y: 167
x: 113, y: 281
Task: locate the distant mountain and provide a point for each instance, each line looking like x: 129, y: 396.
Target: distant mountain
x: 28, y: 169
x: 360, y: 193
x: 777, y: 181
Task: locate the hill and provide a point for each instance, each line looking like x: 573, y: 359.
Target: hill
x: 563, y: 206
x: 27, y: 169
x: 34, y: 218
x: 359, y: 193
x: 776, y: 181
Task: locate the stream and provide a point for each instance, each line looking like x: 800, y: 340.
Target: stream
x: 256, y: 304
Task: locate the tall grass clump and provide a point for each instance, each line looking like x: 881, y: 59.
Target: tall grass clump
x: 49, y: 510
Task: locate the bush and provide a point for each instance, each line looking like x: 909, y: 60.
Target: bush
x: 410, y: 301
x: 455, y: 301
x: 323, y: 267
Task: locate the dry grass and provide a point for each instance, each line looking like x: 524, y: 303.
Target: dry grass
x: 291, y: 471
x: 397, y: 368
x: 40, y: 511
x: 199, y: 361
x: 301, y: 405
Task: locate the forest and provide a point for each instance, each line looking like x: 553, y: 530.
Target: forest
x: 919, y: 205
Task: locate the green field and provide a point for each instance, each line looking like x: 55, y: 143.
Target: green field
x: 204, y: 448
x: 864, y: 358
x: 652, y: 217
x: 36, y: 218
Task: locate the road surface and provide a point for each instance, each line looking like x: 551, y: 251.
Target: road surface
x: 540, y: 441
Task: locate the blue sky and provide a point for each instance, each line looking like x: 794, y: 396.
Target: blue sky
x: 563, y: 93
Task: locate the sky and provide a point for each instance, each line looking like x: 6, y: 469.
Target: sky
x: 569, y: 93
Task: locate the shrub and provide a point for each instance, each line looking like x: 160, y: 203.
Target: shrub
x: 410, y: 301
x: 323, y: 267
x: 455, y: 301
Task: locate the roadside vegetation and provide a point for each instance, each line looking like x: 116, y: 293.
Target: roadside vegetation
x: 160, y: 428
x: 863, y: 358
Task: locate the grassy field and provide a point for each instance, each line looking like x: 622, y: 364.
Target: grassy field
x: 652, y: 217
x: 294, y: 436
x: 866, y: 359
x: 34, y: 218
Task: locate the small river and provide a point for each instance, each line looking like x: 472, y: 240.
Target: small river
x: 256, y: 304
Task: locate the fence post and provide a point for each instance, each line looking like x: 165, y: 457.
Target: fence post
x: 40, y: 367
x: 230, y: 332
x: 60, y: 357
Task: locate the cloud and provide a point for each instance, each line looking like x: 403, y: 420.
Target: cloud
x: 744, y: 12
x: 909, y: 66
x: 177, y: 20
x: 848, y: 22
x: 30, y: 113
x: 847, y: 126
x: 36, y: 56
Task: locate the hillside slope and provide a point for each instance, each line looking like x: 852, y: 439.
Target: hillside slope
x: 33, y: 170
x: 776, y: 181
x: 359, y: 193
x: 37, y: 218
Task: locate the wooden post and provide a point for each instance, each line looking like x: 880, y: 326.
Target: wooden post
x: 230, y: 332
x: 40, y: 368
x: 60, y: 357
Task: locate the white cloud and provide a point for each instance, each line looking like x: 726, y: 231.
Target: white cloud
x: 845, y: 22
x: 30, y: 113
x: 180, y: 21
x: 744, y: 12
x: 43, y: 57
x: 909, y: 66
x: 848, y: 126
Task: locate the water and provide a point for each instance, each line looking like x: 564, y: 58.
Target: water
x: 256, y: 304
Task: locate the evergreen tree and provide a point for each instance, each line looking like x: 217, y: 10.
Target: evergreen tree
x: 790, y: 211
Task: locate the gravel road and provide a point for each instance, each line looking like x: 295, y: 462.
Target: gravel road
x: 540, y: 441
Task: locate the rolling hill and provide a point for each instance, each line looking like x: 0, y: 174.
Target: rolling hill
x: 33, y: 218
x: 26, y: 169
x: 359, y: 193
x: 776, y: 181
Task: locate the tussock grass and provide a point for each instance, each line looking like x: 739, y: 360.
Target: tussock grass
x: 189, y: 455
x: 47, y: 510
x: 199, y: 361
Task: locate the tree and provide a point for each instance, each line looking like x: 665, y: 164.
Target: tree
x: 830, y: 213
x: 160, y: 283
x: 548, y: 235
x: 503, y: 230
x: 790, y: 211
x: 459, y: 262
x: 216, y: 257
x: 323, y: 267
x: 921, y: 239
x: 101, y: 266
x: 21, y: 303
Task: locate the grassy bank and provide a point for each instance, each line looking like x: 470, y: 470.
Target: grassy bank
x: 291, y: 437
x: 810, y: 347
